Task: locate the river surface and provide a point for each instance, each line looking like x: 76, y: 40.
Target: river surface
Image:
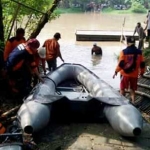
x: 80, y: 52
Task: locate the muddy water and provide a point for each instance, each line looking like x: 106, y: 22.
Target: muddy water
x: 80, y: 52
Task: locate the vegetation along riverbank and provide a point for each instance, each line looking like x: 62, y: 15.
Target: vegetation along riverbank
x: 109, y: 6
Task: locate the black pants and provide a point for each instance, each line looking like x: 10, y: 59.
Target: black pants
x: 141, y: 44
x: 52, y: 64
x: 22, y: 80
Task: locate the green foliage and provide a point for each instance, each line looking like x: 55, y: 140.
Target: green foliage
x: 69, y: 10
x: 26, y: 18
x: 146, y: 53
x: 112, y: 11
x: 137, y: 7
x: 108, y: 10
x: 1, y: 46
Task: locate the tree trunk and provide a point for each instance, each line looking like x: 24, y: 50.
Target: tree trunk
x: 1, y: 38
x: 44, y: 19
x: 1, y: 24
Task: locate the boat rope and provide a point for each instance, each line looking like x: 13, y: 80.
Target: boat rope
x: 58, y: 92
x: 46, y: 77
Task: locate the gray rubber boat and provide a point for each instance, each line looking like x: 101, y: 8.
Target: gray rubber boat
x: 74, y: 89
x: 11, y: 141
x: 11, y: 146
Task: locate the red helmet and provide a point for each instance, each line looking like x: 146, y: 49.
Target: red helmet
x: 33, y: 43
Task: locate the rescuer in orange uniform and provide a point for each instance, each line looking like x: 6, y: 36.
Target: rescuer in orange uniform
x: 20, y: 66
x: 13, y: 42
x: 131, y: 65
x: 53, y: 51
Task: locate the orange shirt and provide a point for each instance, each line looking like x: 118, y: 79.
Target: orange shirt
x: 10, y: 45
x: 140, y: 64
x: 52, y: 49
x: 2, y: 129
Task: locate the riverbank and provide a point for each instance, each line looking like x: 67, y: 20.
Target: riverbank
x: 105, y: 10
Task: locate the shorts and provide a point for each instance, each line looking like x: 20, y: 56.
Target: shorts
x: 128, y: 83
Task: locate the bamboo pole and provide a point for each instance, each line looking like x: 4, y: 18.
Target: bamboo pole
x: 1, y: 23
x: 144, y: 86
x: 14, y: 18
x: 28, y: 21
x: 122, y: 35
x: 9, y: 112
x: 140, y: 93
x: 8, y: 120
x: 146, y: 76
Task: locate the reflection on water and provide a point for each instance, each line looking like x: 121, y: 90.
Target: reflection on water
x: 80, y: 52
x: 96, y: 59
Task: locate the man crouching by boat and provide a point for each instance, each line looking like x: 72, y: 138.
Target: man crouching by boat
x: 20, y: 66
x: 96, y: 49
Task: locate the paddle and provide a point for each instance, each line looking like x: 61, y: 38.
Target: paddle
x: 122, y: 35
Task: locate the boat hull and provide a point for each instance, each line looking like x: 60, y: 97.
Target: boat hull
x: 35, y: 113
x: 124, y: 119
x: 11, y: 147
x: 33, y: 116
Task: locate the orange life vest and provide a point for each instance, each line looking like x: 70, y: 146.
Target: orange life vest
x: 2, y: 129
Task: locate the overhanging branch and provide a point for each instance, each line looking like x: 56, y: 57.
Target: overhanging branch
x: 44, y: 20
x: 27, y: 6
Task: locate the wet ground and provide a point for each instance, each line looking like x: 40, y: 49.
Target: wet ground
x: 86, y: 136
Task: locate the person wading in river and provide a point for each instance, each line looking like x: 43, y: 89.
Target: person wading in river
x: 96, y: 49
x: 131, y: 65
x: 53, y: 51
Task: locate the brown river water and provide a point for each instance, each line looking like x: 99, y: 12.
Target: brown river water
x: 80, y: 52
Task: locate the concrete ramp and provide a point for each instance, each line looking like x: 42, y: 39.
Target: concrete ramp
x: 102, y: 35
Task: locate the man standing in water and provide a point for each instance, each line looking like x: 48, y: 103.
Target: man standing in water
x: 96, y: 49
x: 141, y: 34
x: 53, y: 51
x: 131, y: 65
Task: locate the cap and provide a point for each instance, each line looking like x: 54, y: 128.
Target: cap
x: 131, y: 40
x: 42, y: 52
x: 57, y: 35
x: 94, y: 44
x: 33, y: 43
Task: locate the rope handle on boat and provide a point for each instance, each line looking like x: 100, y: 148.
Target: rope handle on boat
x: 46, y: 77
x: 58, y: 92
